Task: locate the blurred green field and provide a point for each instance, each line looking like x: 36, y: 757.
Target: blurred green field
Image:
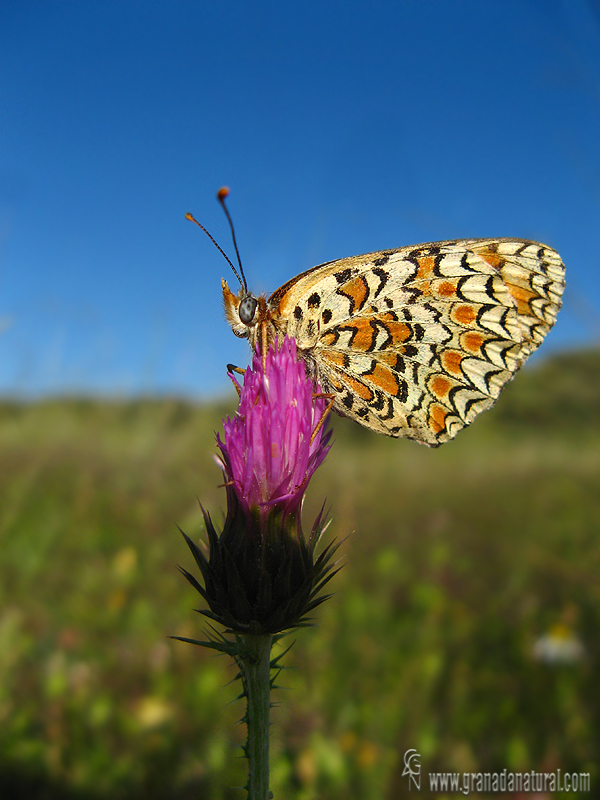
x: 464, y: 566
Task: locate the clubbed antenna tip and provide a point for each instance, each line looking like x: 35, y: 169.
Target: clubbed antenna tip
x: 221, y: 195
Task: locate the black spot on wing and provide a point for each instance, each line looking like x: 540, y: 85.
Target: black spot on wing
x: 402, y: 393
x: 383, y: 258
x: 383, y: 278
x: 414, y: 294
x: 378, y: 402
x: 390, y: 409
x: 347, y: 400
x: 343, y: 275
x: 435, y: 313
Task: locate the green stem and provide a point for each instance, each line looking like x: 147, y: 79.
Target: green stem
x: 254, y: 660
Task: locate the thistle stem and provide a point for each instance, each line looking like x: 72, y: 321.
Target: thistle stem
x: 254, y: 661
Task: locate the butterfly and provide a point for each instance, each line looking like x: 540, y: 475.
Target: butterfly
x: 412, y: 342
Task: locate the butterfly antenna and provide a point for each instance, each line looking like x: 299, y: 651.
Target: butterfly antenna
x: 220, y: 249
x: 221, y: 195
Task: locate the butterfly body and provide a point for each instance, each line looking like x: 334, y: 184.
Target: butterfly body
x: 413, y: 342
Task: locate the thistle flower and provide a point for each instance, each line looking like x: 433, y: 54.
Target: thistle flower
x: 269, y: 453
x: 261, y: 576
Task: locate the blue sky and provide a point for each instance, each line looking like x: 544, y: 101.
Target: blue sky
x: 341, y: 128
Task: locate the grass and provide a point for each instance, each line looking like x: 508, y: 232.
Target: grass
x: 457, y: 562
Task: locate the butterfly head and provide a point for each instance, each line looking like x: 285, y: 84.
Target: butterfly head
x: 247, y: 315
x: 244, y: 312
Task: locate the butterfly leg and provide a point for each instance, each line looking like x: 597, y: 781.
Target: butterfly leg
x: 264, y: 343
x: 325, y: 414
x: 231, y: 368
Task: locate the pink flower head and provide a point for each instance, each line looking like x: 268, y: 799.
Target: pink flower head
x: 261, y: 574
x: 268, y: 454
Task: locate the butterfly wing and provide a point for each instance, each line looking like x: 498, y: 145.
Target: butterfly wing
x: 416, y: 342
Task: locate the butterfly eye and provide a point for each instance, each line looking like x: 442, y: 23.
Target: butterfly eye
x: 247, y: 309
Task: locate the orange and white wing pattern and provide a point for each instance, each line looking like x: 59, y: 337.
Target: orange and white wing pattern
x: 416, y: 342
